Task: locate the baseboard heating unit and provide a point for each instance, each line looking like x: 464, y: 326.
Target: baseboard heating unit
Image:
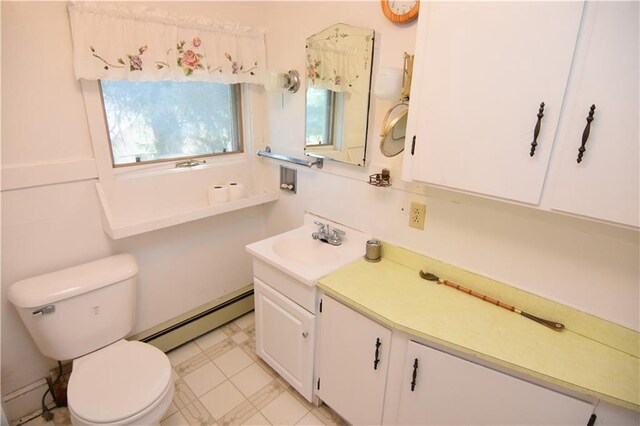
x: 180, y: 330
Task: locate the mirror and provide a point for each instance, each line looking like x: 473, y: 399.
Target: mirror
x: 393, y: 132
x: 339, y: 61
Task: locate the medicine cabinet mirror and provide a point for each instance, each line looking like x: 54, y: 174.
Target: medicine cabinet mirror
x: 339, y: 61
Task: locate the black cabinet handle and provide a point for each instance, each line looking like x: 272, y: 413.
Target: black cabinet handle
x: 536, y: 131
x: 585, y: 133
x: 415, y: 374
x: 377, y: 360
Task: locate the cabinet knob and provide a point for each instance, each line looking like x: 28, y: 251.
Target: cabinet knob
x: 536, y: 131
x: 305, y: 334
x: 585, y: 133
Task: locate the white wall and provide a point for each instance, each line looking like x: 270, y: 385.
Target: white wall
x: 56, y: 225
x: 591, y: 266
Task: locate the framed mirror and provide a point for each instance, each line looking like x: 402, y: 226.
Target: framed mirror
x: 339, y: 61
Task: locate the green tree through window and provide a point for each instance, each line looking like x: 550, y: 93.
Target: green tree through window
x: 320, y: 115
x: 165, y: 120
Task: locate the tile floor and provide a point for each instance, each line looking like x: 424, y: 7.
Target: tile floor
x: 219, y: 380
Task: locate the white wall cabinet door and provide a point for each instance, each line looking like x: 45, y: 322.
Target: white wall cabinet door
x: 452, y: 391
x: 604, y: 184
x: 350, y: 380
x: 285, y: 337
x: 487, y: 67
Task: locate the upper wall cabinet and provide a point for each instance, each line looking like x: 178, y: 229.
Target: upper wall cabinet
x: 487, y: 106
x: 604, y: 184
x: 487, y: 68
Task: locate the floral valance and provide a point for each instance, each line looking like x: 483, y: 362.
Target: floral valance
x: 339, y: 58
x: 128, y: 42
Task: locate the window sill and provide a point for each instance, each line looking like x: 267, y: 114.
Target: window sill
x: 118, y: 227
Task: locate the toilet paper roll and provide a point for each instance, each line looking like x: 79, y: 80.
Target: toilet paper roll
x: 218, y: 194
x: 236, y: 191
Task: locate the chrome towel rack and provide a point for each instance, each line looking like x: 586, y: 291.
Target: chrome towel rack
x: 318, y: 161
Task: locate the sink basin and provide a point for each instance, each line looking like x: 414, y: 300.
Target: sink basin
x: 297, y: 254
x: 306, y: 250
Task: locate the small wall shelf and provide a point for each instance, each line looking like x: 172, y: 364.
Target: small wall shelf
x: 120, y: 228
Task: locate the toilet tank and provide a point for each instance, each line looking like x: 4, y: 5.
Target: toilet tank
x: 78, y: 310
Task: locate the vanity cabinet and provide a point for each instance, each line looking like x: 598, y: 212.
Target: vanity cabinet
x: 353, y: 358
x: 431, y: 387
x: 483, y: 69
x: 285, y: 311
x: 286, y: 268
x: 286, y: 344
x: 439, y: 388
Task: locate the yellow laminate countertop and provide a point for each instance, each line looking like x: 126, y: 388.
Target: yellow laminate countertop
x: 591, y: 356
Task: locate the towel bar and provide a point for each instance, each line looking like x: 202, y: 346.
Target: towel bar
x: 267, y: 153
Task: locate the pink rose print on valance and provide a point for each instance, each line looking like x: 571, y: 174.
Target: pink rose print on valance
x: 338, y: 56
x: 108, y: 45
x: 188, y: 59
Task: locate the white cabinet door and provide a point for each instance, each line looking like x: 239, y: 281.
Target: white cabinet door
x: 285, y: 337
x: 487, y: 67
x: 604, y: 184
x: 451, y: 391
x: 350, y: 380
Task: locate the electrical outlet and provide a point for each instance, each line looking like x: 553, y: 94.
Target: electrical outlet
x: 417, y: 215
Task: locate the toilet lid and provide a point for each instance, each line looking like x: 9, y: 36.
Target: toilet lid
x: 118, y: 381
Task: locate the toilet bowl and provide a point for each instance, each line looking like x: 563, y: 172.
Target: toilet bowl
x: 82, y: 314
x: 124, y: 383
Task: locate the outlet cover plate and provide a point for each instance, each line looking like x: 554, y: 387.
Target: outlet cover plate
x: 417, y: 214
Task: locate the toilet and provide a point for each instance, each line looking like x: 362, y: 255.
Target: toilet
x: 83, y: 314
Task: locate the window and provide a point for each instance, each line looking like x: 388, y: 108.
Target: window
x: 320, y: 116
x: 158, y: 121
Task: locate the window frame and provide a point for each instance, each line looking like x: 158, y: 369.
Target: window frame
x: 99, y: 131
x: 236, y: 105
x: 330, y: 121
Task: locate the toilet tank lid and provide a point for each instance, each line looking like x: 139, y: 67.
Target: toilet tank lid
x: 70, y: 282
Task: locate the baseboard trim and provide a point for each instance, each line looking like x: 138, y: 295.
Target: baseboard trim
x: 20, y: 405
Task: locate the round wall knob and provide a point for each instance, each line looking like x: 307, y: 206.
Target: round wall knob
x: 305, y: 334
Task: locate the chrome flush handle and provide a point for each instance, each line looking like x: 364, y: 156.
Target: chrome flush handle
x: 49, y: 309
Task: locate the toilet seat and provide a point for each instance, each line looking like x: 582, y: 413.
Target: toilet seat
x: 118, y: 383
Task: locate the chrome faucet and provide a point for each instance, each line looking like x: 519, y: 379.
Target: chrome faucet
x: 324, y: 234
x: 336, y: 237
x: 322, y: 231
